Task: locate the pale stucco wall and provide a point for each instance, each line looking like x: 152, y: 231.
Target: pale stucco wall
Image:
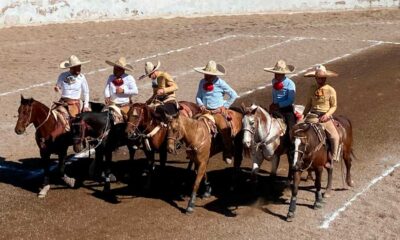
x: 21, y: 12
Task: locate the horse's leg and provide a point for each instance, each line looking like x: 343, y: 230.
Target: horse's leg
x: 257, y: 158
x: 293, y: 199
x: 163, y: 155
x: 328, y: 190
x: 202, y: 166
x: 46, y: 162
x: 207, y: 192
x: 275, y: 164
x: 97, y: 163
x: 347, y: 157
x: 238, y: 158
x: 318, y: 194
x: 148, y: 171
x: 107, y: 171
x: 61, y: 169
x: 132, y: 152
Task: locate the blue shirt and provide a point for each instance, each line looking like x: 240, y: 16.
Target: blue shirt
x: 215, y: 98
x: 286, y: 96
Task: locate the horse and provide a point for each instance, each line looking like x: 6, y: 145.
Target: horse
x: 49, y: 138
x: 312, y: 153
x: 106, y: 135
x: 197, y: 134
x: 264, y: 137
x: 147, y: 126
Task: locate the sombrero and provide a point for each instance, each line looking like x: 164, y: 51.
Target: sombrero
x: 149, y: 68
x: 281, y: 68
x: 73, y: 61
x: 320, y: 71
x: 212, y: 68
x: 121, y: 62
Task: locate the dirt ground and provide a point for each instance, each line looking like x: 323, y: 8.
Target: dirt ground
x: 362, y: 46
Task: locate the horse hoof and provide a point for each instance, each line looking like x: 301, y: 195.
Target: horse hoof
x: 228, y: 160
x: 189, y: 210
x: 69, y: 181
x: 290, y: 217
x: 317, y: 205
x: 206, y: 195
x: 350, y: 183
x: 43, y: 191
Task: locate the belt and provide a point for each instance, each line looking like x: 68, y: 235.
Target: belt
x: 70, y: 101
x: 120, y: 105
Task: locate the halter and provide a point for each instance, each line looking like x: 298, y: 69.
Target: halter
x: 263, y: 142
x: 30, y: 118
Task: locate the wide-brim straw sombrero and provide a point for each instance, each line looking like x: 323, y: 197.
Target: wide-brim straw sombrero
x: 72, y: 61
x: 149, y: 69
x: 212, y: 68
x: 121, y: 62
x: 281, y: 68
x: 320, y: 71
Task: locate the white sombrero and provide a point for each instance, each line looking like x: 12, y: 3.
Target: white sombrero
x: 73, y: 61
x: 149, y: 68
x: 281, y: 68
x: 320, y: 71
x: 212, y: 68
x: 121, y: 62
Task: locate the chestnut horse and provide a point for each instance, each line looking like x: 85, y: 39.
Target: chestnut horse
x: 312, y: 153
x: 148, y: 127
x: 49, y: 141
x: 201, y: 145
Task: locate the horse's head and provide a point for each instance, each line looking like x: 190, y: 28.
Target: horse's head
x: 249, y: 124
x: 136, y: 117
x: 174, y: 132
x: 24, y: 115
x: 78, y: 130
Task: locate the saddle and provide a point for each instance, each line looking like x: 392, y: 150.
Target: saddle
x: 210, y: 123
x: 117, y: 115
x: 62, y: 116
x: 185, y: 111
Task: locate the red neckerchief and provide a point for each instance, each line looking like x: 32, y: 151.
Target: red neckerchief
x: 208, y: 86
x: 118, y: 82
x: 278, y: 85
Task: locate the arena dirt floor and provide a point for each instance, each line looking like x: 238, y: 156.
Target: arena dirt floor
x: 364, y: 47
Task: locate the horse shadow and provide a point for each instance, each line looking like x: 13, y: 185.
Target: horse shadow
x: 27, y: 173
x: 173, y: 184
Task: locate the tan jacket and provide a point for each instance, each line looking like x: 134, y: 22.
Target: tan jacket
x: 165, y: 81
x: 321, y: 99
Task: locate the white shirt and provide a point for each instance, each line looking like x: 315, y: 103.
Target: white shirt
x: 72, y: 87
x: 129, y: 87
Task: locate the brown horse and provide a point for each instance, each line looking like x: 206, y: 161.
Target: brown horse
x: 312, y: 152
x: 148, y: 127
x: 48, y: 140
x: 201, y: 145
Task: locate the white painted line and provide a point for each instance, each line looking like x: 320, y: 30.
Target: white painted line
x: 106, y: 35
x: 304, y: 70
x: 138, y: 60
x: 331, y: 217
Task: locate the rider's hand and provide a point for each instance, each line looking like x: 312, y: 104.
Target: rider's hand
x: 86, y: 109
x: 324, y: 118
x: 160, y: 91
x: 107, y: 100
x: 119, y: 90
x: 56, y: 89
x: 203, y: 108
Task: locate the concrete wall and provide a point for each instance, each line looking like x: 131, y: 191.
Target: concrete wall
x: 21, y: 12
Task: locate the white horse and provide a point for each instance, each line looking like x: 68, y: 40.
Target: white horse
x: 263, y: 136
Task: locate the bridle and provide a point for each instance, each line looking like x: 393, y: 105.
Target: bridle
x: 28, y: 122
